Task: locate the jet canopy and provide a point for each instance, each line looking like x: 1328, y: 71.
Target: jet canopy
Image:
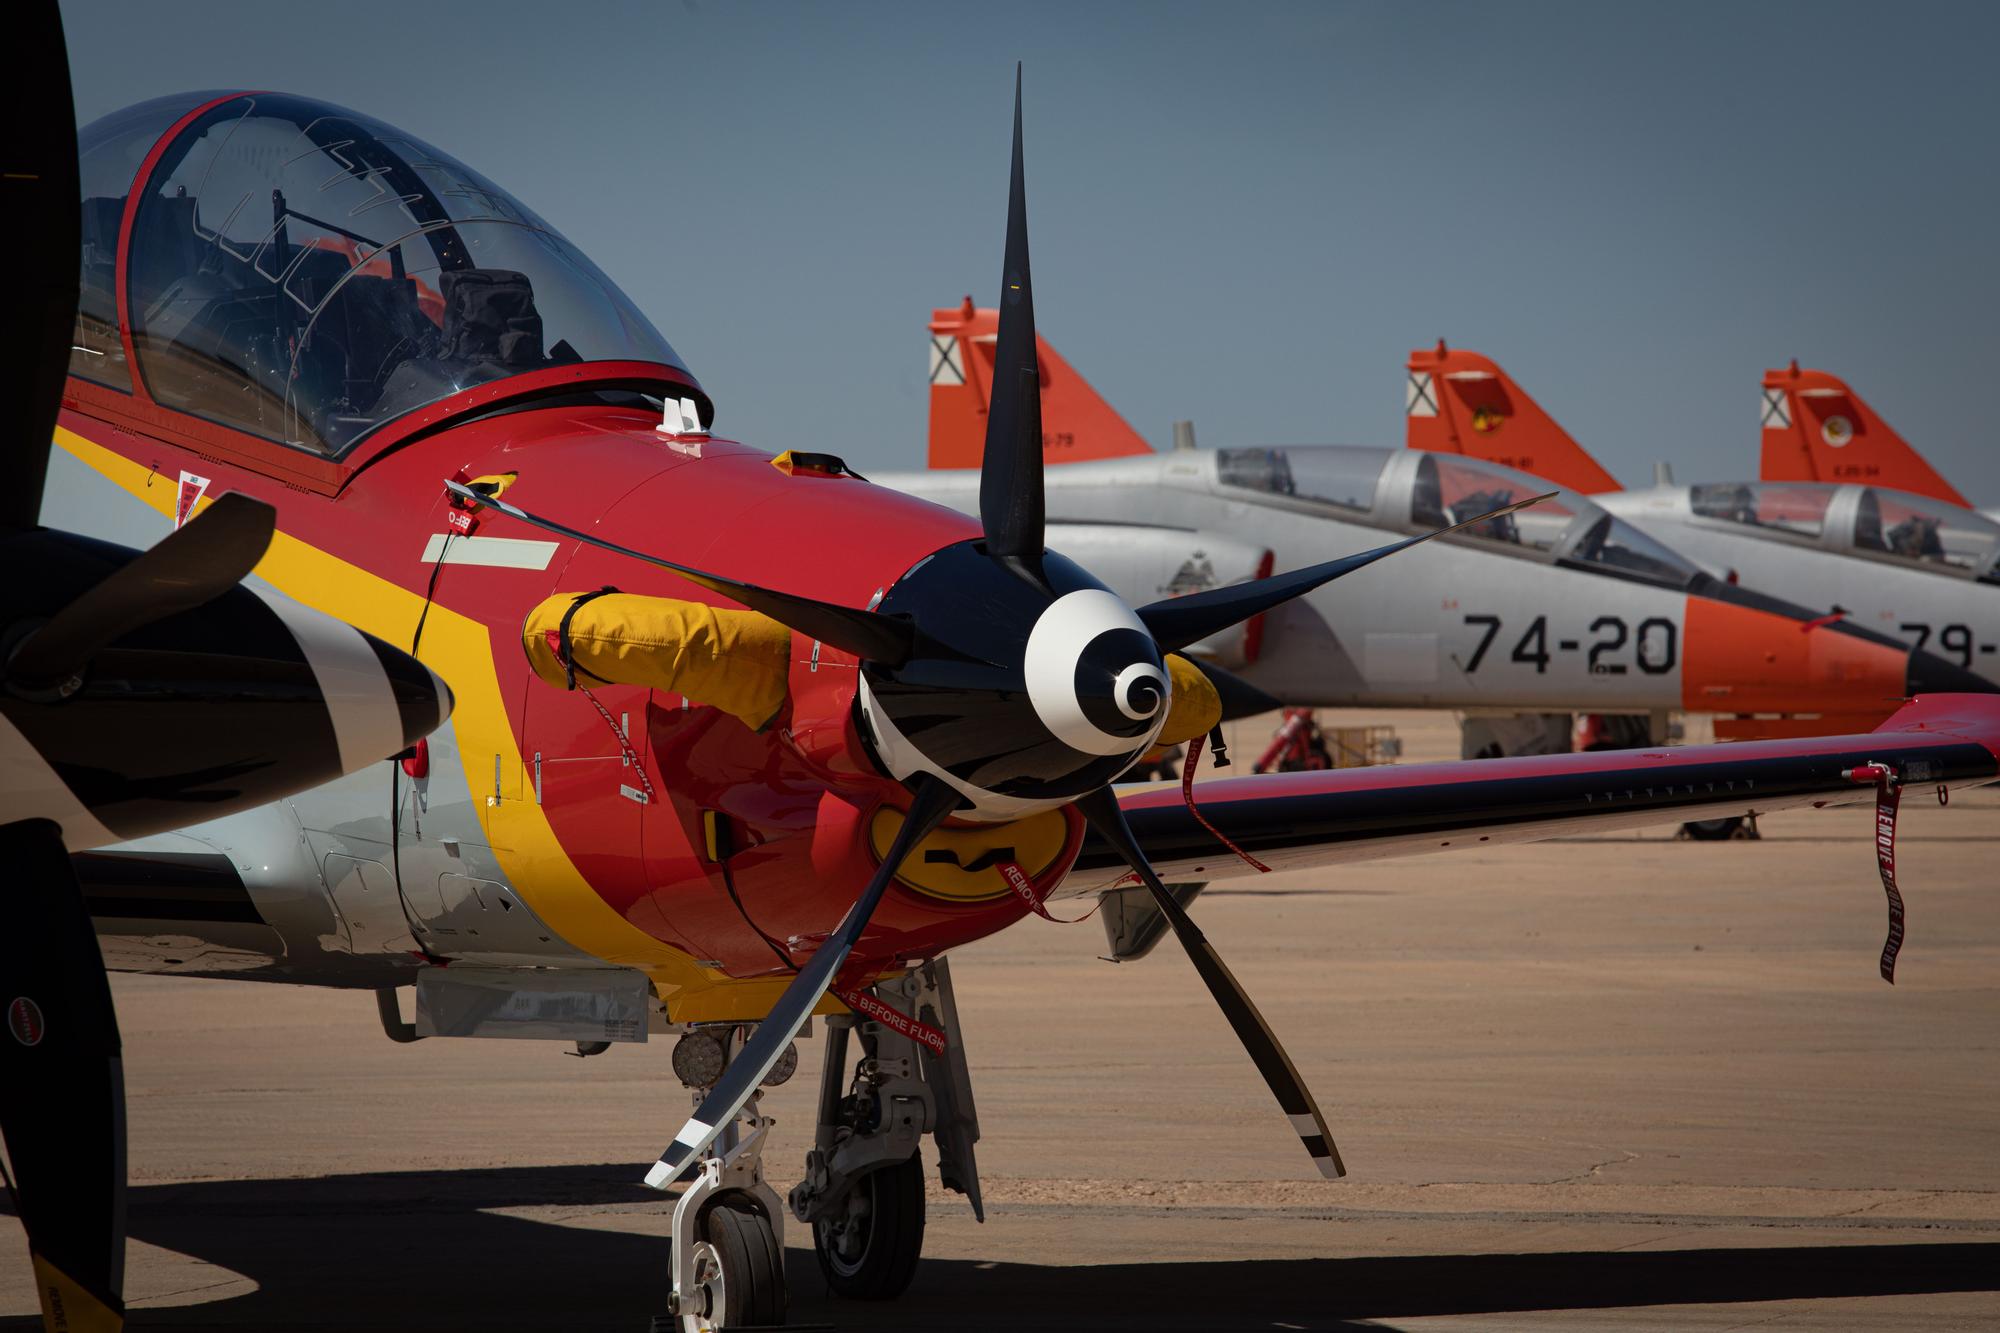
x: 307, y: 274
x: 1870, y: 521
x: 1416, y: 491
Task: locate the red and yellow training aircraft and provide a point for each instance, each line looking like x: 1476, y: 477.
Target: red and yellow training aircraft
x: 738, y: 738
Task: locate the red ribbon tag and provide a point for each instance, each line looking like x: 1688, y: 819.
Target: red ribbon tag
x: 876, y: 1011
x: 1187, y: 794
x: 1888, y: 796
x: 1017, y: 880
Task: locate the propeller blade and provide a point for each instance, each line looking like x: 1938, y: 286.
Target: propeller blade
x: 933, y: 800
x: 62, y: 1089
x: 40, y: 199
x: 1010, y: 473
x: 204, y: 558
x: 1294, y: 1098
x: 1239, y: 697
x: 1180, y: 621
x: 863, y: 633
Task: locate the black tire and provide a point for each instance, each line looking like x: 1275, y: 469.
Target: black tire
x: 878, y: 1264
x: 753, y: 1266
x: 1713, y: 830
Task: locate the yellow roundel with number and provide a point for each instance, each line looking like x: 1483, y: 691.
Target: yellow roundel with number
x: 962, y: 865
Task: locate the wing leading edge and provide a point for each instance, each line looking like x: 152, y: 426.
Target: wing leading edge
x: 1296, y: 821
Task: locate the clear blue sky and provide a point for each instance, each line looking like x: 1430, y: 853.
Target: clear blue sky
x: 1243, y: 214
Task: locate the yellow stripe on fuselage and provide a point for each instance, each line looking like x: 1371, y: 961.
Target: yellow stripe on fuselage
x: 459, y: 649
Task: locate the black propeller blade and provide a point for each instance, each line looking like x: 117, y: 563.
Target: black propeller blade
x: 1011, y: 510
x: 41, y: 200
x: 1010, y: 473
x: 1239, y: 697
x: 933, y: 800
x: 205, y: 558
x: 62, y: 1086
x: 867, y: 635
x: 1294, y: 1098
x: 1180, y: 621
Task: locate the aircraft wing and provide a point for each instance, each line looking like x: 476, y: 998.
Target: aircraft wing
x: 1295, y: 821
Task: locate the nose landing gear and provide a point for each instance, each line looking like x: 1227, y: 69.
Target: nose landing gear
x: 863, y: 1192
x: 738, y: 1279
x: 729, y: 1235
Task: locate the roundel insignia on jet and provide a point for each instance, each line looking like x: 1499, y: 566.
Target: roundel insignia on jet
x: 1485, y: 420
x: 1837, y: 431
x: 24, y: 1021
x: 962, y: 865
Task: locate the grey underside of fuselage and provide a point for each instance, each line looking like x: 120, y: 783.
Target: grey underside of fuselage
x: 324, y: 895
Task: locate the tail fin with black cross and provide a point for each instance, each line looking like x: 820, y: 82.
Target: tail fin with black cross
x: 1077, y: 425
x: 1460, y: 402
x: 1816, y: 428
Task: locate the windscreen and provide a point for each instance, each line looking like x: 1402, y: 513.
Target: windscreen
x: 307, y: 274
x: 1566, y: 528
x: 1922, y: 531
x: 1340, y: 475
x: 110, y: 151
x: 1613, y: 546
x: 1451, y: 490
x: 1797, y: 508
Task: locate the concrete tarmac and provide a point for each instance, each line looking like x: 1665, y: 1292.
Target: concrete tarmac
x: 1618, y: 1082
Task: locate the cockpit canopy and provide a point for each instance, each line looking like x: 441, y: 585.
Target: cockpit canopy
x: 1866, y: 520
x: 306, y: 274
x: 1417, y: 491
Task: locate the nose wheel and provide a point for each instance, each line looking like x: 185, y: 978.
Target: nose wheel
x: 728, y: 1231
x: 738, y: 1274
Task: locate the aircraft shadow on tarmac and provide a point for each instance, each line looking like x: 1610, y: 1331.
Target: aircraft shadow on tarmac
x: 422, y: 1250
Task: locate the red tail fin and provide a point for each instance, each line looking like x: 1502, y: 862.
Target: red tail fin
x: 1815, y: 428
x: 1460, y: 402
x: 1076, y: 424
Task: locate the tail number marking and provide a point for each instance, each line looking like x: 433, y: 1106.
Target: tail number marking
x: 1654, y: 649
x: 1951, y: 639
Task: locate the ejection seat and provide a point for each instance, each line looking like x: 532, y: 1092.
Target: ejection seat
x: 491, y: 329
x: 364, y: 328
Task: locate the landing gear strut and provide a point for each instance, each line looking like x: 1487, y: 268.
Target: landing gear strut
x: 863, y: 1192
x: 729, y: 1231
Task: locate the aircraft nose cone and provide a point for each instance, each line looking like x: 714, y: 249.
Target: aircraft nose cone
x: 1927, y: 673
x: 1745, y: 659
